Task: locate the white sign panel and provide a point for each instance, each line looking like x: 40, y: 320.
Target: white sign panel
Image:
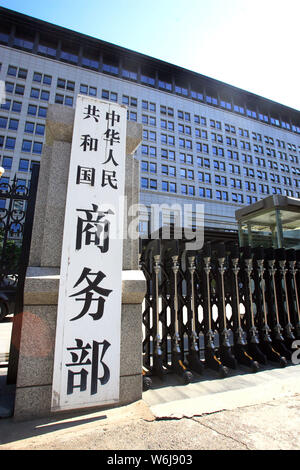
x: 87, y: 349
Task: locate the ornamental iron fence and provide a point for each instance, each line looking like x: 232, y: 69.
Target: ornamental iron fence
x: 219, y: 308
x: 17, y: 202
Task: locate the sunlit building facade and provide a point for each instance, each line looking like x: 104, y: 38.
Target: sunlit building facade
x: 204, y: 142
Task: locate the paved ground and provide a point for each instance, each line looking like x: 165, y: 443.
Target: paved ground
x: 273, y: 425
x: 261, y: 414
x: 244, y: 411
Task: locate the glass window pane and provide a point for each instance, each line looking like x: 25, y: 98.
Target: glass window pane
x: 29, y: 127
x: 16, y: 107
x: 47, y: 80
x: 40, y: 129
x: 23, y: 165
x: 7, y: 163
x: 26, y: 145
x: 42, y: 112
x: 13, y: 124
x: 12, y: 71
x: 10, y: 143
x: 37, y: 77
x: 37, y: 147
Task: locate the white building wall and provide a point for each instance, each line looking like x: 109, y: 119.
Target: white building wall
x: 218, y: 213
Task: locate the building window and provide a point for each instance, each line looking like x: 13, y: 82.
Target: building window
x: 144, y: 166
x: 40, y: 129
x: 26, y: 145
x: 129, y: 75
x: 152, y: 151
x: 90, y: 63
x: 7, y: 163
x: 29, y: 127
x: 132, y: 116
x: 37, y: 147
x: 9, y: 87
x: 59, y: 99
x: 45, y: 95
x: 10, y: 143
x: 69, y: 101
x: 153, y: 184
x: 3, y: 122
x: 47, y: 80
x: 84, y: 89
x: 23, y: 165
x: 172, y: 187
x: 12, y: 71
x: 32, y: 109
x: 105, y: 94
x: 110, y: 69
x: 148, y: 80
x: 13, y: 124
x: 46, y: 50
x: 144, y: 183
x: 183, y: 189
x: 35, y: 93
x: 19, y: 90
x: 42, y: 112
x: 61, y: 83
x: 6, y: 105
x: 37, y: 77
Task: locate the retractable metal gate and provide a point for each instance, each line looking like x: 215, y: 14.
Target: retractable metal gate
x: 218, y: 308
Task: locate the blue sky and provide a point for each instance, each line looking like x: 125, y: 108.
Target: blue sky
x: 251, y: 44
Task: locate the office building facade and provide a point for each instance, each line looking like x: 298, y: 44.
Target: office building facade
x: 204, y: 142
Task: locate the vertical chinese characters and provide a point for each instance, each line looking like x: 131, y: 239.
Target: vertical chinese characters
x: 98, y: 170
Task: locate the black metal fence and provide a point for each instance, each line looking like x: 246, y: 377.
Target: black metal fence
x: 219, y: 308
x: 14, y: 199
x: 16, y: 219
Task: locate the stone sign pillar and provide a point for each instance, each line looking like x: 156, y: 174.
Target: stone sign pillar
x: 39, y: 318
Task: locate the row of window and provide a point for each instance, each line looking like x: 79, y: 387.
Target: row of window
x: 41, y: 112
x: 166, y: 139
x: 21, y: 73
x: 202, y: 133
x: 216, y: 151
x: 24, y: 164
x: 9, y: 143
x: 30, y: 127
x: 11, y: 124
x: 219, y: 179
x: 221, y: 166
x: 132, y: 101
x: 32, y: 110
x: 185, y: 189
x: 204, y: 148
x: 39, y: 77
x: 38, y: 94
x: 16, y: 88
x: 113, y: 68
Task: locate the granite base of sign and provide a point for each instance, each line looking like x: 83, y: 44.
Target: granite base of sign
x: 36, y: 326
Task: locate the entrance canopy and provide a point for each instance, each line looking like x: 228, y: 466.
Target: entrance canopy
x: 271, y: 222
